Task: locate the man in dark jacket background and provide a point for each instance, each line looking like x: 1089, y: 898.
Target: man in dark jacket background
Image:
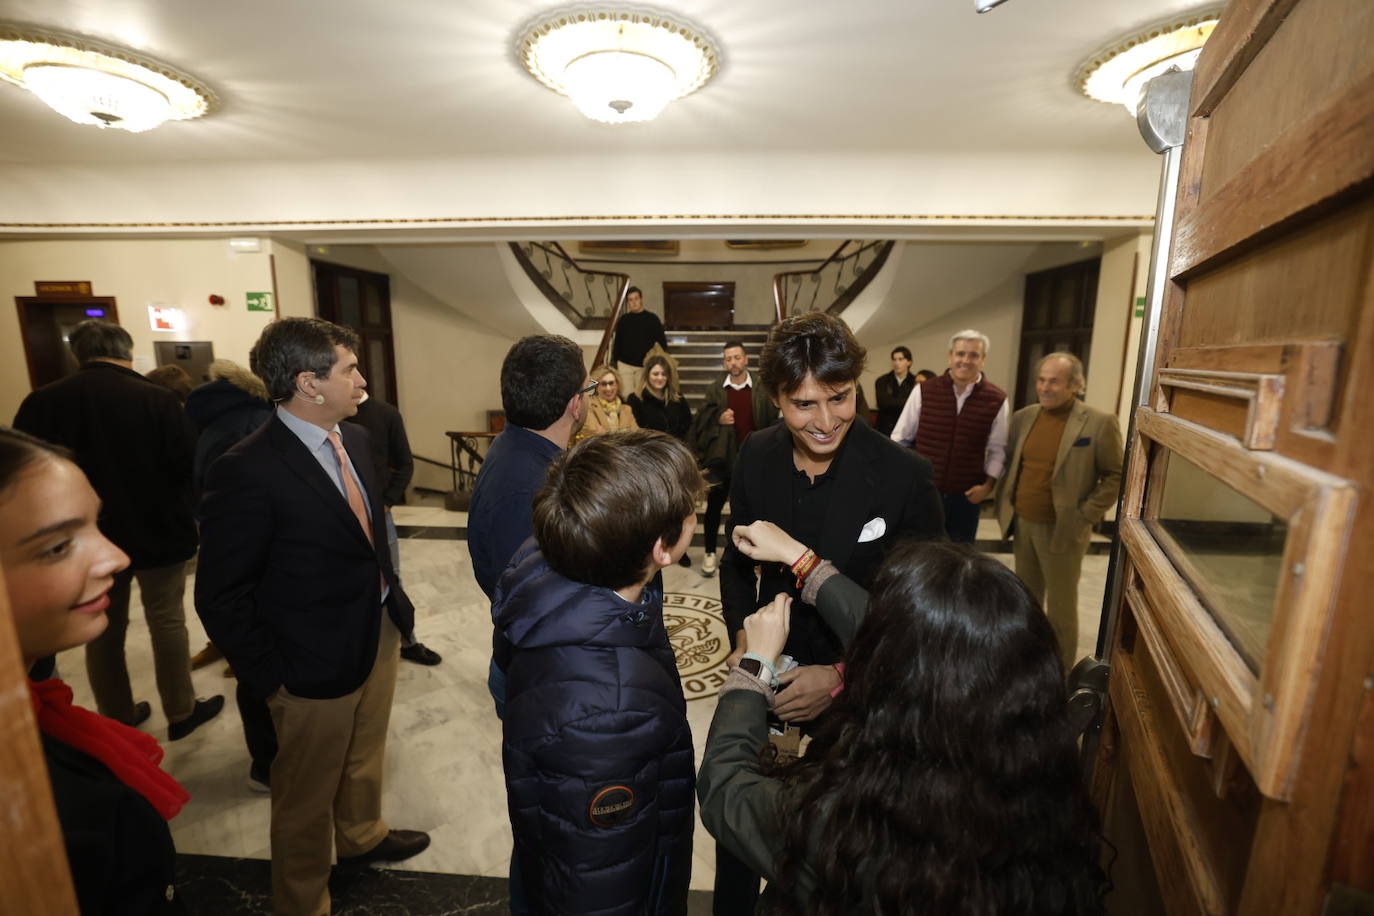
x: 636, y: 332
x: 543, y: 387
x: 133, y: 440
x: 733, y: 408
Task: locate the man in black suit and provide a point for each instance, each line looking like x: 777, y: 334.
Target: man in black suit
x: 295, y: 584
x: 835, y: 484
x: 133, y: 440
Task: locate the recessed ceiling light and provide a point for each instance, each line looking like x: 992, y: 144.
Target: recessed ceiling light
x: 91, y: 82
x: 618, y: 65
x: 1119, y: 71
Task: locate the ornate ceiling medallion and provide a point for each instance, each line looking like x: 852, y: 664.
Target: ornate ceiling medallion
x: 91, y: 82
x: 1119, y: 71
x: 617, y: 64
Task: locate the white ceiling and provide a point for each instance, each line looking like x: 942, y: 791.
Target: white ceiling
x: 438, y: 79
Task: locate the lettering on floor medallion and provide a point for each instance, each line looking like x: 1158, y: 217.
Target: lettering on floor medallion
x: 700, y: 642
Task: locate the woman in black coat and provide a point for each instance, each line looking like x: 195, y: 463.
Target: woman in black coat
x: 658, y: 403
x: 113, y: 800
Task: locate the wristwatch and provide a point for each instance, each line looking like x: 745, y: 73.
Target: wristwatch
x: 754, y: 668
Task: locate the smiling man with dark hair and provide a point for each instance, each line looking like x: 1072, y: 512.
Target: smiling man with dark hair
x: 825, y: 480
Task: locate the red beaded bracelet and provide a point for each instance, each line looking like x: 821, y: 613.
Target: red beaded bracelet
x: 804, y: 565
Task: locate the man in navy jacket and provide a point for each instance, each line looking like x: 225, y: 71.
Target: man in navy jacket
x: 295, y: 584
x: 597, y: 750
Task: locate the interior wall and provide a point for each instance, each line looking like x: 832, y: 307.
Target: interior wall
x: 721, y: 189
x: 178, y: 273
x: 996, y: 312
x: 448, y: 367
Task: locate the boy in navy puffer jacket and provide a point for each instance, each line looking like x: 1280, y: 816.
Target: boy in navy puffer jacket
x: 597, y: 750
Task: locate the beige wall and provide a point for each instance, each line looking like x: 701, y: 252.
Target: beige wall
x: 137, y: 274
x: 448, y: 367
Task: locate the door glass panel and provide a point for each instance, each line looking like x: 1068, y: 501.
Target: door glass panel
x: 1229, y: 548
x: 372, y: 306
x: 350, y: 311
x: 377, y: 369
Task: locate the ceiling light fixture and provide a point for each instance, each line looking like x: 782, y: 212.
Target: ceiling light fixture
x: 91, y: 82
x: 617, y: 64
x: 1119, y: 71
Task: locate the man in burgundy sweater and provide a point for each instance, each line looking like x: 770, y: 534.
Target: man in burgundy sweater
x: 959, y: 421
x: 733, y: 408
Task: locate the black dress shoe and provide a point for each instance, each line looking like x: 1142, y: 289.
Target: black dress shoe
x: 142, y: 710
x: 685, y: 561
x: 398, y: 845
x: 420, y: 654
x: 205, y: 711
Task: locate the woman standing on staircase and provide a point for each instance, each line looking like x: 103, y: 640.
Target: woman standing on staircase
x: 606, y: 411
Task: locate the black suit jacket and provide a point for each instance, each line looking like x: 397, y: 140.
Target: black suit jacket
x: 876, y: 478
x: 288, y: 585
x: 134, y: 442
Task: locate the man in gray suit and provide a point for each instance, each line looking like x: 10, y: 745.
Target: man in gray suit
x: 1064, y: 473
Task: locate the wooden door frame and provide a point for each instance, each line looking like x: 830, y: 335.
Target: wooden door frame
x: 1312, y: 830
x: 24, y: 303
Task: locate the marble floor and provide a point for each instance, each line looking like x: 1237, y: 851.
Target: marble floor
x: 443, y: 767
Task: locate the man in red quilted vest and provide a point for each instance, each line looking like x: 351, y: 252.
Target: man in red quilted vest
x: 959, y: 421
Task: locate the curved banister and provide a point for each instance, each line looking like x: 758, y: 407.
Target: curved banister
x: 610, y: 325
x: 841, y: 260
x: 581, y: 310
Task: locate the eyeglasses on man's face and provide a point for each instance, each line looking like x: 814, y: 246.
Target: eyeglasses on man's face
x: 591, y: 388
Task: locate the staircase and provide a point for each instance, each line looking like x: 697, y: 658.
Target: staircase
x: 698, y: 355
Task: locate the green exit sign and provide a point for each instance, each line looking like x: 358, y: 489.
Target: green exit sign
x: 1140, y: 306
x: 260, y: 302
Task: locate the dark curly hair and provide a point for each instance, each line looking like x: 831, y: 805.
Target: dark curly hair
x: 812, y: 343
x: 945, y: 779
x: 539, y: 375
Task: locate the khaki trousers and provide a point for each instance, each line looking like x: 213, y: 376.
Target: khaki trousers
x: 327, y: 781
x: 1053, y: 578
x: 161, y: 589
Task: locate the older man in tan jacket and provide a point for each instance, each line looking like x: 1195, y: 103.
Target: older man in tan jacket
x: 1064, y: 473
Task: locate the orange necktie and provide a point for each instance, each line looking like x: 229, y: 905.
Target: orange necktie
x: 355, y: 496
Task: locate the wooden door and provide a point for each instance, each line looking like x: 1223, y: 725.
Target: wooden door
x: 1056, y: 316
x: 361, y: 300
x: 1235, y: 769
x: 699, y: 306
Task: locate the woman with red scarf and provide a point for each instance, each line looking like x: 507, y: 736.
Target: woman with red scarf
x: 113, y: 799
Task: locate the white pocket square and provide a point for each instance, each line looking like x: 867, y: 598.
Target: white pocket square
x: 872, y: 530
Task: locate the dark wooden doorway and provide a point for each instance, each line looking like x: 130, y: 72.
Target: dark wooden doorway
x: 45, y: 322
x: 1057, y: 316
x: 361, y: 300
x: 699, y: 306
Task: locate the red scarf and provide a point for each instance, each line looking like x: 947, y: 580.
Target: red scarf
x: 131, y: 755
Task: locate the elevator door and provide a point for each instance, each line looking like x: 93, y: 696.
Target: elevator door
x: 1236, y: 764
x: 45, y: 324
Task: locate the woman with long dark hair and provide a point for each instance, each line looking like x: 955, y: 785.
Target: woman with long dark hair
x: 113, y: 800
x: 945, y: 778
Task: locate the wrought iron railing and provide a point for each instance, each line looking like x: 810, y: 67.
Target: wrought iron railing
x: 586, y: 297
x: 834, y: 284
x: 590, y: 299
